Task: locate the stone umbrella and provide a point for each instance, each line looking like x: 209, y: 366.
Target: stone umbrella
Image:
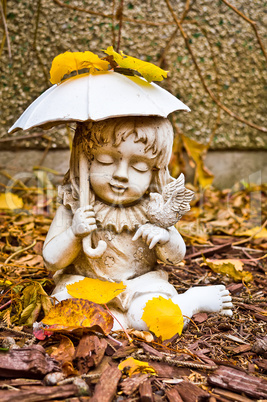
x: 95, y: 97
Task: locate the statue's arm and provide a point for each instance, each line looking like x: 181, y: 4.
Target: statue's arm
x: 61, y: 246
x: 173, y: 251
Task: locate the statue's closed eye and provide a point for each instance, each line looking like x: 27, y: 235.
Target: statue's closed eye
x: 105, y: 159
x: 140, y: 166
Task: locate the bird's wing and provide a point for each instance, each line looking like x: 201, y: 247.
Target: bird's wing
x: 173, y: 186
x: 177, y: 196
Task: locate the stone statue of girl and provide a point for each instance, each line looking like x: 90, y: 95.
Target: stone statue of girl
x: 128, y: 160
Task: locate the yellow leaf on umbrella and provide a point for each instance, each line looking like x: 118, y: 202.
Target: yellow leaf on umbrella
x: 10, y: 201
x: 66, y: 63
x: 230, y: 267
x: 163, y: 317
x: 73, y: 314
x: 132, y: 366
x: 95, y: 290
x: 148, y: 70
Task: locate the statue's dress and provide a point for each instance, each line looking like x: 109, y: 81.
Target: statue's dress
x: 124, y: 260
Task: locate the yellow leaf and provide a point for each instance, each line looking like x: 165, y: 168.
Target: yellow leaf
x: 67, y: 62
x: 132, y: 366
x: 73, y: 314
x: 10, y: 201
x: 197, y: 151
x: 231, y: 267
x: 95, y: 290
x: 5, y: 282
x: 163, y: 317
x: 257, y: 232
x: 148, y: 70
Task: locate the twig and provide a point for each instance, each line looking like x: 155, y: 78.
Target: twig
x: 15, y: 331
x: 175, y: 362
x: 251, y: 22
x: 39, y: 6
x: 5, y: 305
x: 167, y: 47
x: 113, y: 24
x: 71, y: 379
x: 110, y: 16
x: 185, y: 12
x: 119, y: 16
x: 61, y: 4
x: 6, y: 31
x: 20, y: 251
x: 207, y: 89
x: 22, y: 137
x: 124, y: 330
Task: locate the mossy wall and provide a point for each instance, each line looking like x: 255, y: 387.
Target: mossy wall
x: 225, y: 46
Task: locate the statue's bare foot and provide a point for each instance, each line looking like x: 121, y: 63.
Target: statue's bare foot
x: 209, y: 299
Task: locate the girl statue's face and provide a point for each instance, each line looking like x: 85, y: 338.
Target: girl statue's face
x: 121, y: 175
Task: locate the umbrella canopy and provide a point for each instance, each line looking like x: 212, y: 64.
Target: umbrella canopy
x: 96, y: 97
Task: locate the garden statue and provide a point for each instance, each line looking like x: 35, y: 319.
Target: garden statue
x: 118, y: 209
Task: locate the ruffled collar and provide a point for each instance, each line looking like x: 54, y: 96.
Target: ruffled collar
x: 107, y: 216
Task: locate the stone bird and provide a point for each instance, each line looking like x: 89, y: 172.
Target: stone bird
x: 166, y: 209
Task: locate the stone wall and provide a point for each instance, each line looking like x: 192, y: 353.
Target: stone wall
x: 225, y: 46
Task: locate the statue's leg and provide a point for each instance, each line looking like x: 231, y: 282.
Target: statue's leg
x: 60, y: 292
x: 210, y: 299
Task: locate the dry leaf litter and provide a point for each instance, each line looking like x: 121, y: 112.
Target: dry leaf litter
x: 214, y: 359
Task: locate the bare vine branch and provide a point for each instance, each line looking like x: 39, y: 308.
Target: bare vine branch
x: 207, y: 89
x: 251, y: 22
x: 35, y: 40
x: 110, y: 16
x: 119, y: 16
x: 6, y: 36
x: 61, y: 4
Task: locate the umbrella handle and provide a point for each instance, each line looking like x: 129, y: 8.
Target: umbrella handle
x: 84, y: 200
x: 93, y: 252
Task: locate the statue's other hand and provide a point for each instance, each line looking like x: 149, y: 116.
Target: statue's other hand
x: 152, y: 235
x: 83, y: 222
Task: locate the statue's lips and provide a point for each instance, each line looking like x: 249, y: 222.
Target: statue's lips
x: 117, y: 188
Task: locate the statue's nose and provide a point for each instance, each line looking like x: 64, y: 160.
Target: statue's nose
x: 121, y: 172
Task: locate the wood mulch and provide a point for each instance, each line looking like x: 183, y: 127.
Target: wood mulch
x: 216, y: 358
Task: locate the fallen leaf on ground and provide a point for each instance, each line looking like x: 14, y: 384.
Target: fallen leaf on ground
x: 73, y: 314
x: 65, y: 351
x: 230, y: 267
x: 132, y: 366
x: 163, y: 317
x: 145, y: 335
x: 148, y: 70
x: 256, y: 232
x: 34, y: 299
x: 10, y: 201
x: 95, y: 290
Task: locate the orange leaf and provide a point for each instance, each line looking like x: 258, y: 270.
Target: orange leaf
x: 95, y: 290
x: 163, y: 317
x: 65, y: 351
x: 73, y: 314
